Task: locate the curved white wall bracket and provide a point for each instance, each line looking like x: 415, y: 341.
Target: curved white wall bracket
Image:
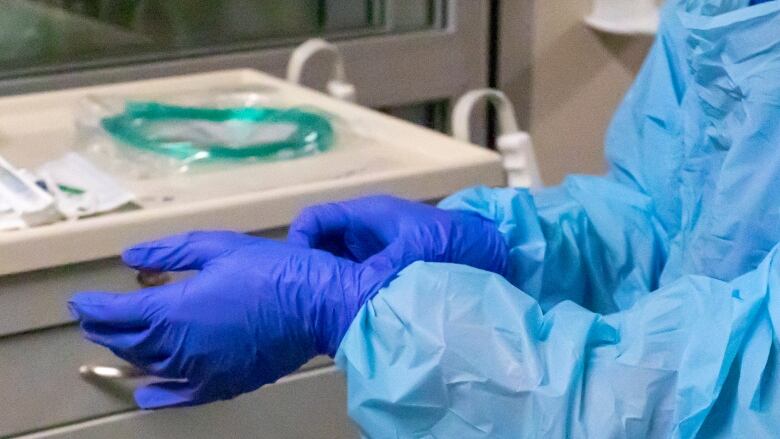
x: 515, y: 146
x: 338, y: 86
x: 624, y: 17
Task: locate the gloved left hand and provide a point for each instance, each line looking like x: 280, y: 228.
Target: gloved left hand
x: 401, y: 231
x: 255, y: 311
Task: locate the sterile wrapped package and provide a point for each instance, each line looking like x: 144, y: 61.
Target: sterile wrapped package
x: 23, y: 199
x: 9, y: 219
x: 145, y: 136
x: 80, y: 189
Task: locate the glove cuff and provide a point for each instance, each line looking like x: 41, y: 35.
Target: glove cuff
x: 473, y: 236
x: 332, y: 313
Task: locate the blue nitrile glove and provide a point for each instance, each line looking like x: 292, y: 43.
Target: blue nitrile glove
x: 256, y: 310
x: 402, y: 231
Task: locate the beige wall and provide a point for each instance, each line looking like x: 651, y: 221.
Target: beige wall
x: 566, y: 80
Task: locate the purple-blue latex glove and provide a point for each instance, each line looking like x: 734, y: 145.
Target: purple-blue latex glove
x: 255, y: 311
x: 402, y: 232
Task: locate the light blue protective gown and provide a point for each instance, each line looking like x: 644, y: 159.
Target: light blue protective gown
x: 640, y: 304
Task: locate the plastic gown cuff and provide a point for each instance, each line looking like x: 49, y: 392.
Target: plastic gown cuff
x: 514, y: 213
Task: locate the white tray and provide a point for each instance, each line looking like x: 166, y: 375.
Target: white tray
x: 399, y: 158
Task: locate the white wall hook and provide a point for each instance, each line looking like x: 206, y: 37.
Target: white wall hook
x: 625, y: 17
x: 338, y: 86
x: 514, y: 145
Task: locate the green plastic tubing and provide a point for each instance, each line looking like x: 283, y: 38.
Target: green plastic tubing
x: 314, y: 132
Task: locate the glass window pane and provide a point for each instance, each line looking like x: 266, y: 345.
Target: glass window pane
x: 433, y: 115
x: 350, y: 14
x: 64, y: 34
x: 409, y: 15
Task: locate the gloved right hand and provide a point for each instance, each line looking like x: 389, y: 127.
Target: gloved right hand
x: 256, y: 310
x: 402, y: 231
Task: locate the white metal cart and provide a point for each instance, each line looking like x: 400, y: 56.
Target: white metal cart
x: 41, y: 350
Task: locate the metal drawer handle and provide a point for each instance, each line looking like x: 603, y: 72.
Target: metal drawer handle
x: 110, y: 372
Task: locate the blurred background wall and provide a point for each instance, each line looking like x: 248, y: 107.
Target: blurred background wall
x: 565, y: 79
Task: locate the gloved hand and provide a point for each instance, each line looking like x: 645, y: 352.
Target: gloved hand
x: 402, y: 231
x: 256, y: 310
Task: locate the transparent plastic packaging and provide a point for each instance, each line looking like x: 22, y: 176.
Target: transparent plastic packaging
x: 80, y: 189
x: 22, y: 198
x: 149, y: 136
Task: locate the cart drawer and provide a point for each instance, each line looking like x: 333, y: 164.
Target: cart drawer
x: 37, y: 299
x: 306, y: 406
x: 42, y: 387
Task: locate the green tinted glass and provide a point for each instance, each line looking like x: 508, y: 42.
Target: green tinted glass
x: 433, y: 115
x: 48, y: 35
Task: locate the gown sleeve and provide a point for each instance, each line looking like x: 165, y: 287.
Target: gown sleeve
x: 590, y: 240
x: 602, y: 242
x: 452, y: 351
